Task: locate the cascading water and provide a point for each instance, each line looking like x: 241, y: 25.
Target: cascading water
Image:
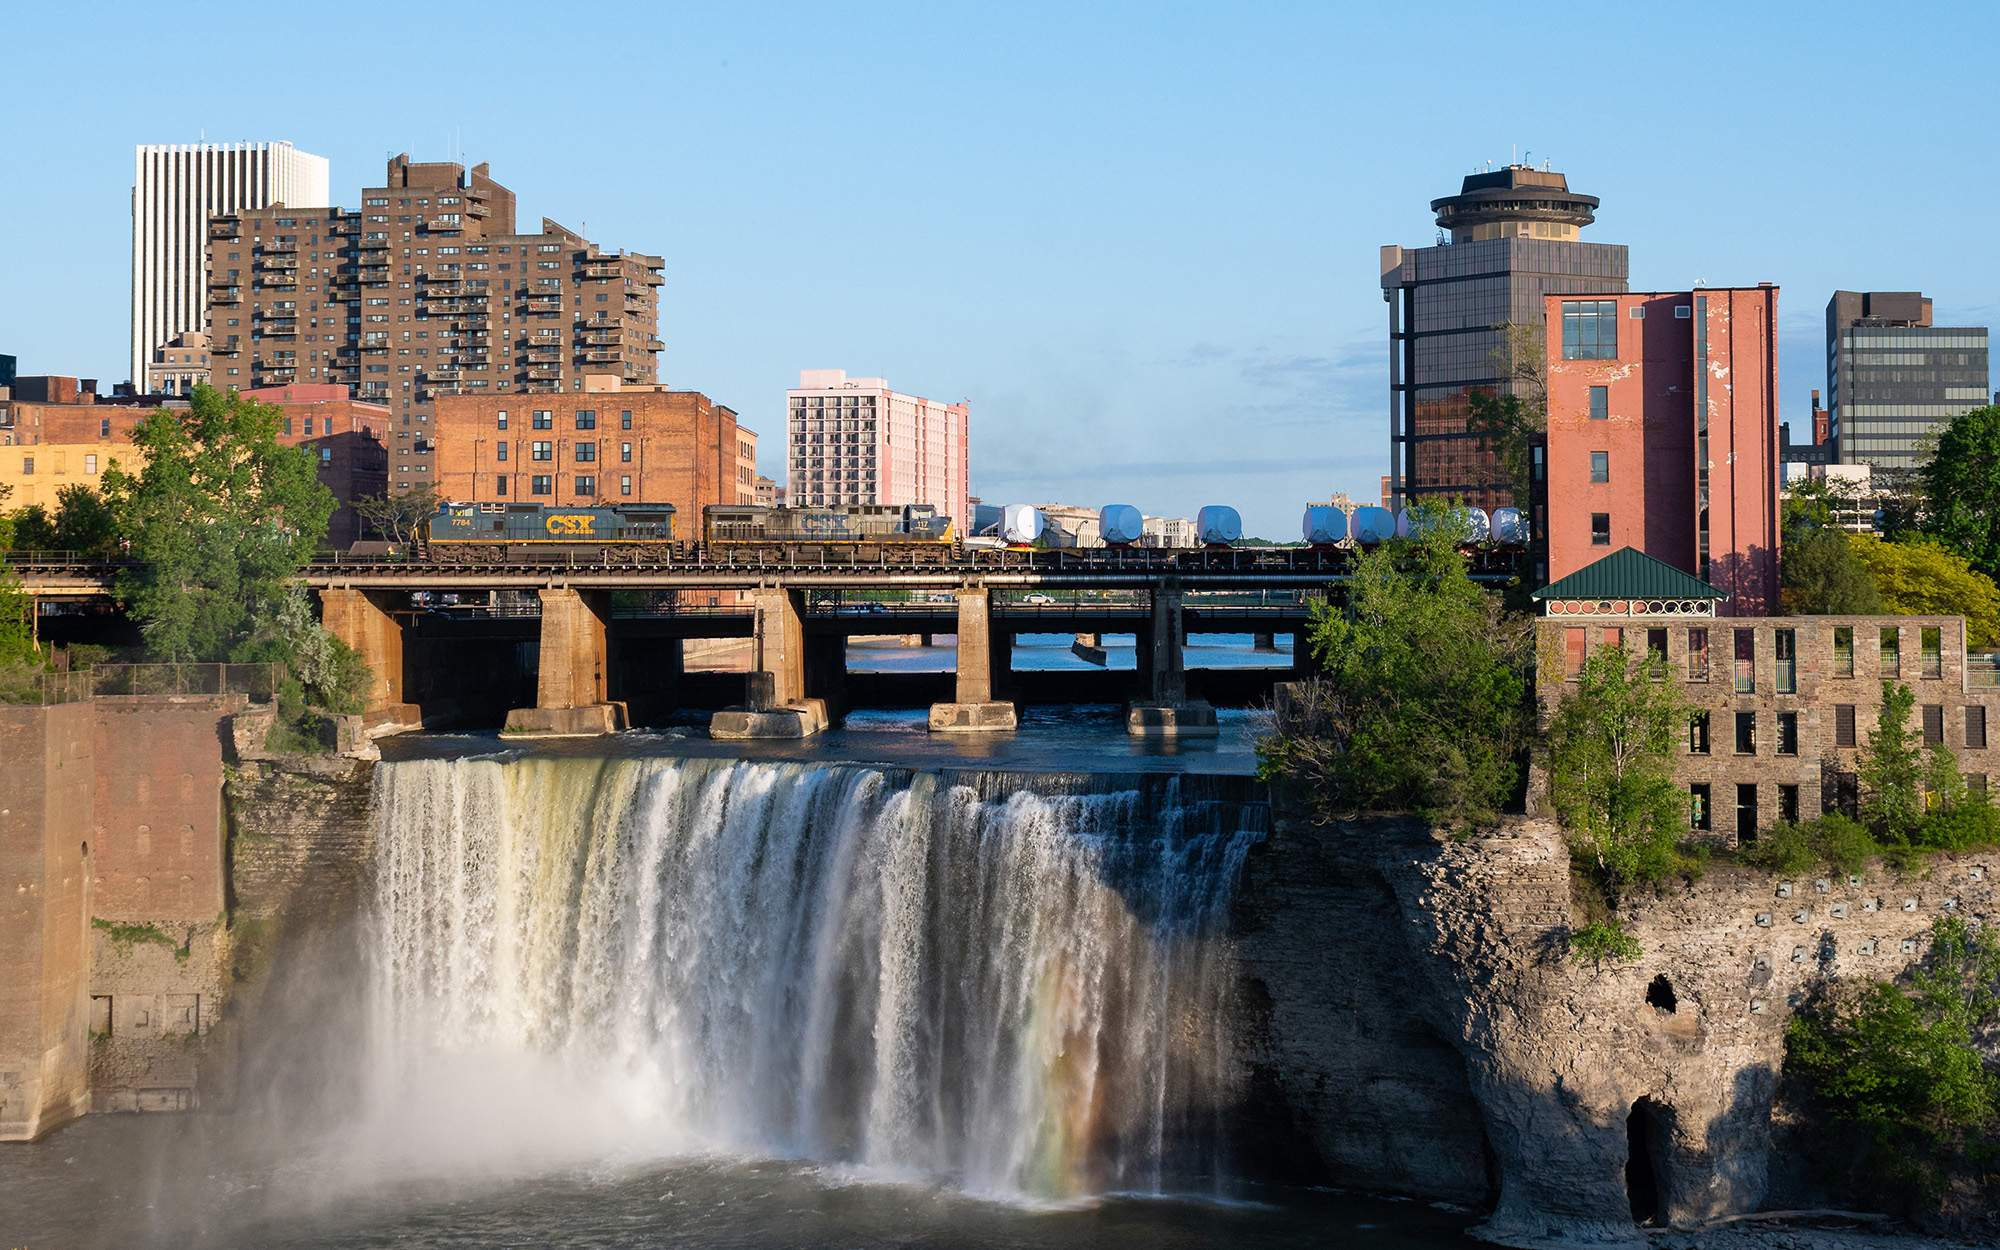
x: 1017, y: 984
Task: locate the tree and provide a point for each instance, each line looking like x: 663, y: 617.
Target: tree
x: 1891, y: 768
x: 1819, y: 571
x: 1423, y: 703
x: 402, y: 518
x: 1960, y: 489
x: 1919, y: 576
x: 222, y: 517
x: 33, y: 530
x: 1511, y: 427
x: 84, y: 522
x: 1611, y: 746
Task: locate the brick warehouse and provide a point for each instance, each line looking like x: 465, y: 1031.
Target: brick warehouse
x: 1784, y: 703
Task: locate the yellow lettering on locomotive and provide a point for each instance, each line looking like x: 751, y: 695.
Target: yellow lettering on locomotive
x: 571, y: 524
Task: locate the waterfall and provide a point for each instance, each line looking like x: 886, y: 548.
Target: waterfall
x: 1015, y: 984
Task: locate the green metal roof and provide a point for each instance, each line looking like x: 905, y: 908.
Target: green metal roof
x: 1629, y: 573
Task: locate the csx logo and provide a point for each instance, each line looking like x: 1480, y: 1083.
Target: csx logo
x: 571, y: 524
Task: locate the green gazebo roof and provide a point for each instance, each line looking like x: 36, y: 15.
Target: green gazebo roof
x: 1629, y: 573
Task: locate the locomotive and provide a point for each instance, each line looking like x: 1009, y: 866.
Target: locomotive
x: 853, y: 533
x: 475, y: 533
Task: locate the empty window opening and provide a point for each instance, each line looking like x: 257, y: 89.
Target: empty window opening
x: 1660, y: 995
x: 1641, y: 1184
x: 1600, y: 529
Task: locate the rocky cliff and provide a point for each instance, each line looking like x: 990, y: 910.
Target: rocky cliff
x: 1424, y: 1028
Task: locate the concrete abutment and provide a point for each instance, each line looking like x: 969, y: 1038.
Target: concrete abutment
x: 364, y: 621
x: 973, y: 708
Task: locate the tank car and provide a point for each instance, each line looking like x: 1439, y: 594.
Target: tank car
x: 1218, y: 525
x: 1020, y: 524
x: 1120, y: 525
x: 1323, y: 526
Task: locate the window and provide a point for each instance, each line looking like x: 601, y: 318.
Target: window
x: 586, y: 486
x: 1746, y: 733
x: 1574, y: 648
x: 543, y: 451
x: 1847, y: 793
x: 1933, y: 724
x: 1698, y: 806
x: 586, y: 420
x: 1656, y: 653
x: 625, y: 452
x: 625, y: 420
x: 1746, y: 812
x: 1590, y: 329
x: 1843, y: 651
x: 1843, y: 725
x: 544, y: 420
x: 1638, y: 312
x: 1538, y: 449
x: 309, y: 427
x: 104, y: 428
x: 1788, y: 733
x: 326, y: 455
x: 500, y: 452
x: 27, y: 464
x: 586, y: 452
x: 624, y: 485
x: 1697, y: 655
x: 1932, y: 653
x: 1600, y: 466
x: 1600, y: 529
x: 1788, y: 680
x: 1600, y: 403
x: 1892, y: 653
x: 540, y: 485
x: 1698, y: 733
x: 1612, y: 638
x: 1682, y: 312
x: 90, y: 466
x: 1975, y: 727
x: 500, y: 484
x: 503, y: 421
x: 1788, y: 804
x: 1746, y: 661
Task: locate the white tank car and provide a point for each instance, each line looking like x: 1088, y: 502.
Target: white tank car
x: 1218, y: 525
x: 1020, y: 523
x: 1120, y: 525
x: 1373, y: 525
x: 1323, y: 526
x: 1510, y: 527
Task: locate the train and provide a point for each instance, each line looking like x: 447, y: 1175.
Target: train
x: 488, y: 532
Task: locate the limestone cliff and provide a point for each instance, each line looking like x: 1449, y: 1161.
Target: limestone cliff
x: 1427, y: 1032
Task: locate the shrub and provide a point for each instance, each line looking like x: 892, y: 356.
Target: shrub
x: 1603, y: 940
x: 1833, y: 841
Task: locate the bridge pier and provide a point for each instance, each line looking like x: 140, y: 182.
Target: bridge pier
x: 973, y: 709
x: 361, y: 619
x: 1167, y: 712
x: 575, y: 670
x: 775, y: 703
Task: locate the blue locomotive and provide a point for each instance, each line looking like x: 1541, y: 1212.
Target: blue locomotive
x: 468, y: 532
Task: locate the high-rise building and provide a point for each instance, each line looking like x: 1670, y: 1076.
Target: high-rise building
x: 176, y: 188
x: 855, y: 441
x: 1506, y: 240
x: 427, y: 291
x: 176, y: 365
x: 1893, y: 379
x: 1663, y: 436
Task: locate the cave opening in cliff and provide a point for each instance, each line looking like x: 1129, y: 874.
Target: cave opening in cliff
x: 1660, y: 995
x: 1641, y: 1182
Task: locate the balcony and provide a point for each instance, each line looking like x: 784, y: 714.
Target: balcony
x: 652, y: 345
x: 224, y: 229
x: 544, y: 358
x: 225, y: 294
x: 437, y: 226
x: 443, y: 374
x: 655, y: 278
x: 600, y: 269
x: 542, y: 373
x: 272, y: 246
x: 283, y: 281
x: 601, y: 356
x: 286, y: 263
x: 447, y: 389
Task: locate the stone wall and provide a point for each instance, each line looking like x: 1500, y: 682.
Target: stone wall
x: 1423, y: 1028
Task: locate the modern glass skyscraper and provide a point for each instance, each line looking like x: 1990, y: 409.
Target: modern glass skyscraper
x: 1512, y: 239
x: 176, y: 187
x: 1893, y: 379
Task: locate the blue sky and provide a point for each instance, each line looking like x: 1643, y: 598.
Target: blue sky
x: 1140, y: 239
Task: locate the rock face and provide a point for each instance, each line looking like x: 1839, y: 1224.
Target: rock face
x: 1424, y: 1027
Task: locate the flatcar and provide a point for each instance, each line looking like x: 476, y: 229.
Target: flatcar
x: 856, y: 533
x: 474, y: 533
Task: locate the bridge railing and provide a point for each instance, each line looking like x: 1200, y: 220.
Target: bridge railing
x: 259, y: 681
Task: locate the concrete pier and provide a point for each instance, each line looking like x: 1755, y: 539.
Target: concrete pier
x: 775, y: 703
x: 361, y: 619
x: 973, y: 709
x: 1167, y: 712
x: 574, y: 674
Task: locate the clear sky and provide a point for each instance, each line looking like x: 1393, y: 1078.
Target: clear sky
x: 1140, y: 239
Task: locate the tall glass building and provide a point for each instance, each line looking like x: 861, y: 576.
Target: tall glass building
x: 1508, y: 238
x: 1893, y: 379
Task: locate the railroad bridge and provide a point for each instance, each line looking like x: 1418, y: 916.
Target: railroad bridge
x: 553, y: 646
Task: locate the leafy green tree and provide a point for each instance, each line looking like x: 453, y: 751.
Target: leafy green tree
x: 1423, y: 703
x: 403, y: 517
x: 223, y: 516
x: 1611, y: 744
x: 1511, y: 427
x: 1821, y: 576
x: 1891, y: 768
x: 1920, y: 576
x: 1903, y: 1064
x: 1960, y: 489
x: 33, y: 530
x: 83, y: 521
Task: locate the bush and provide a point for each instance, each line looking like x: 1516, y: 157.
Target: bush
x: 1832, y: 841
x: 1603, y: 940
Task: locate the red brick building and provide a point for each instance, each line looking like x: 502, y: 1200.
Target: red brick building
x: 1663, y: 436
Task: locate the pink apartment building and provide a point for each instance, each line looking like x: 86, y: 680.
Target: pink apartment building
x: 855, y: 441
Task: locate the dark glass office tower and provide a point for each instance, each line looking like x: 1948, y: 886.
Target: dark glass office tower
x: 1508, y: 238
x: 1893, y: 380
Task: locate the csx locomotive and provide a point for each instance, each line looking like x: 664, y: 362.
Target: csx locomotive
x: 470, y: 533
x: 477, y: 533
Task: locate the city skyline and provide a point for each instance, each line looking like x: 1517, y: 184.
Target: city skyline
x: 1145, y: 248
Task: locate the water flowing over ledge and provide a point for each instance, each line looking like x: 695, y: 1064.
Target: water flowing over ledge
x: 1019, y: 984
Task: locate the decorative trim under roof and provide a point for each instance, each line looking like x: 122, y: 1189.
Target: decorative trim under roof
x: 1628, y: 582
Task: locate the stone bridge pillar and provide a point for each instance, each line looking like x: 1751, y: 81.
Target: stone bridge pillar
x: 575, y: 671
x: 362, y: 620
x: 1167, y: 712
x: 775, y: 705
x: 973, y: 709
